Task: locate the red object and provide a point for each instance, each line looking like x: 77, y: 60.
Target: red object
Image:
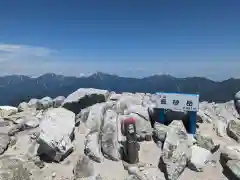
x: 130, y: 121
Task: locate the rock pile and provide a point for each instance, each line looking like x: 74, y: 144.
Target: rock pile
x: 82, y: 137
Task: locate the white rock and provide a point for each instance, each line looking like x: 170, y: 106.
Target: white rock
x: 56, y: 129
x: 125, y: 101
x: 8, y: 108
x: 45, y: 103
x: 23, y: 106
x: 84, y: 97
x: 138, y: 109
x: 33, y: 103
x: 57, y: 102
x: 199, y: 159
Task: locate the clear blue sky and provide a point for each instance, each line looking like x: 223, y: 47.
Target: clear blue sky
x: 127, y: 37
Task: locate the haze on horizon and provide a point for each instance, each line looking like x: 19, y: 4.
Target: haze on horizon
x: 127, y: 38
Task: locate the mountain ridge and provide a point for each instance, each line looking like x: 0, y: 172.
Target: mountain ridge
x: 17, y: 88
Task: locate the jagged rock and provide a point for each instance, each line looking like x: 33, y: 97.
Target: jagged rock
x: 125, y: 101
x: 23, y: 106
x: 232, y: 171
x: 199, y: 158
x: 110, y: 146
x: 83, y: 98
x: 84, y: 168
x: 6, y: 111
x: 28, y: 122
x: 95, y: 116
x: 15, y: 129
x: 56, y: 130
x: 233, y: 130
x: 83, y: 115
x: 93, y: 147
x: 12, y: 168
x: 229, y: 153
x: 204, y: 117
x: 114, y: 97
x: 57, y: 102
x: 176, y: 153
x: 206, y: 142
x: 139, y: 110
x: 220, y: 126
x: 45, y: 103
x: 160, y: 131
x: 177, y: 125
x: 33, y: 103
x: 4, y: 142
x: 38, y: 162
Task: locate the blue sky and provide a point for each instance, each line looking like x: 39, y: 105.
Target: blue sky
x: 128, y: 37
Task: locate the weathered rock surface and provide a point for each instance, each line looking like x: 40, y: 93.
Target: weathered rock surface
x: 45, y: 103
x: 109, y: 141
x: 84, y: 168
x: 33, y: 103
x: 56, y: 129
x: 206, y: 142
x: 232, y: 170
x: 160, y: 131
x: 199, y: 158
x: 57, y: 102
x: 23, y: 106
x: 233, y: 130
x: 176, y: 154
x: 4, y: 142
x: 83, y: 98
x: 13, y: 168
x: 93, y: 146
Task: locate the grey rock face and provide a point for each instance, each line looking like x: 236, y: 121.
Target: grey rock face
x: 83, y: 98
x: 57, y: 102
x: 33, y: 103
x: 84, y: 168
x: 93, y: 147
x: 56, y: 129
x: 237, y: 101
x: 229, y: 153
x: 4, y: 142
x: 233, y: 130
x: 13, y: 169
x: 206, y: 142
x: 160, y: 131
x: 45, y: 103
x: 110, y: 146
x: 23, y: 106
x: 232, y: 170
x: 176, y: 154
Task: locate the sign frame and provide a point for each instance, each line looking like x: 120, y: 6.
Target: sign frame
x: 182, y: 102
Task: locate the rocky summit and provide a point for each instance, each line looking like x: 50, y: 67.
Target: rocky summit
x: 83, y: 136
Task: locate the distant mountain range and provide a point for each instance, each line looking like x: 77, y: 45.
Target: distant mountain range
x: 15, y: 89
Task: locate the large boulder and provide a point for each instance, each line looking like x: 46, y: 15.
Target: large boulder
x: 139, y: 110
x: 176, y: 154
x: 13, y: 168
x: 57, y: 102
x: 23, y: 106
x: 199, y: 158
x: 84, y: 97
x: 160, y: 132
x: 45, y: 103
x: 126, y: 101
x: 206, y: 142
x: 232, y: 170
x: 56, y: 132
x: 7, y: 111
x: 233, y: 130
x: 33, y: 103
x: 229, y: 153
x: 110, y: 146
x: 95, y: 115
